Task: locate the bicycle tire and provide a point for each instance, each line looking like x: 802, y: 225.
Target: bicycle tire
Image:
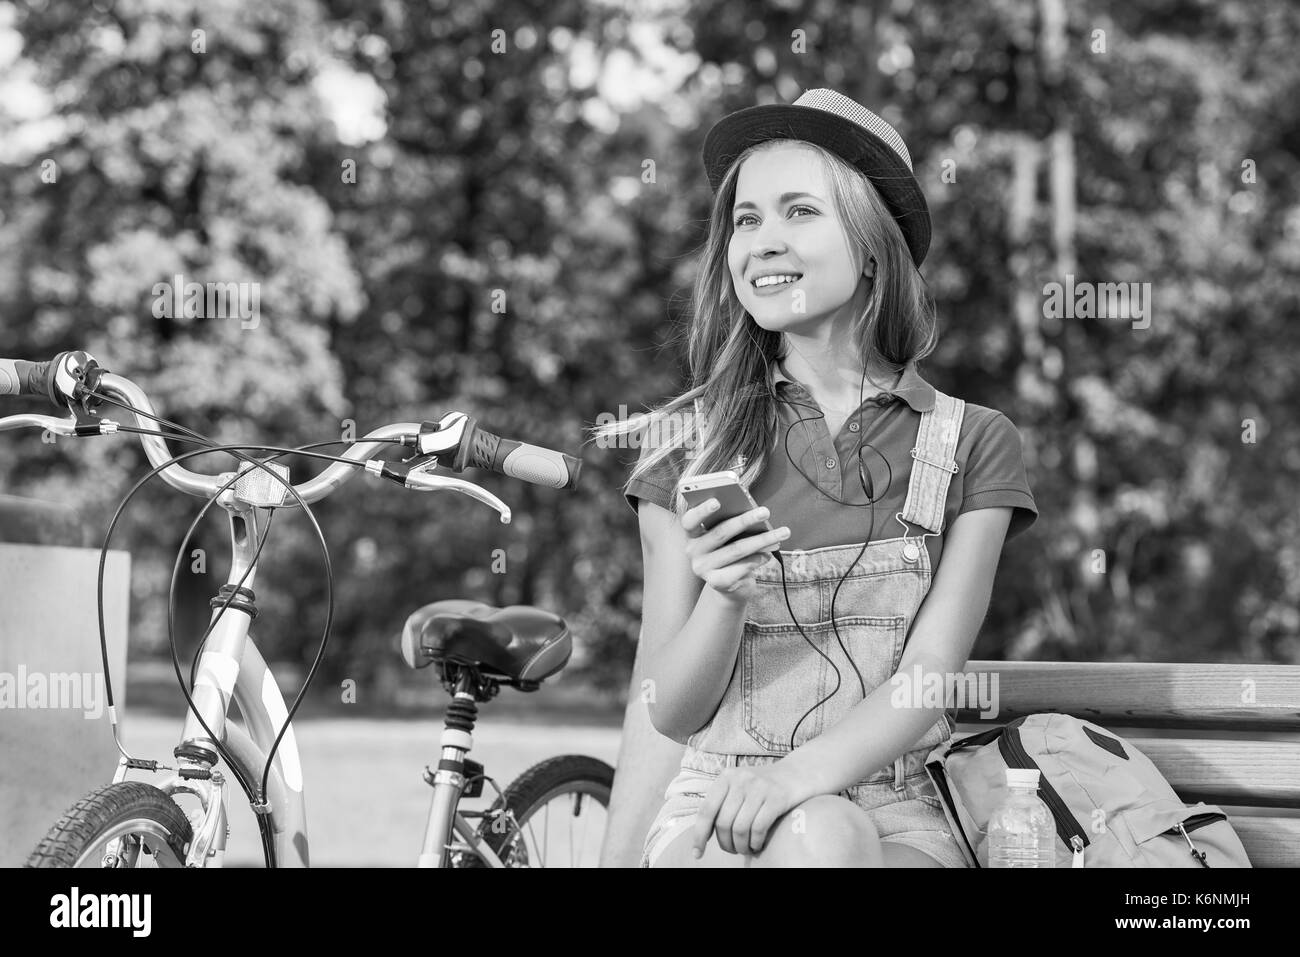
x: 566, y: 774
x: 89, y: 821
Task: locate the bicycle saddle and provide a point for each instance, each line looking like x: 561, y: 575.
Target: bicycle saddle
x: 518, y: 642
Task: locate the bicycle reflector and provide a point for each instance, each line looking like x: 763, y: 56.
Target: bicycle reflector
x: 256, y: 487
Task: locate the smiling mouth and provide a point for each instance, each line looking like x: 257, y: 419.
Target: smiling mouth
x: 794, y: 278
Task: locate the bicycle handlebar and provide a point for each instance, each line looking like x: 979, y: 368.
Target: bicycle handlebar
x: 470, y: 446
x: 20, y: 377
x: 482, y: 449
x: 204, y: 486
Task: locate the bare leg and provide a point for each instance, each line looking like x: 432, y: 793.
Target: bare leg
x: 825, y: 831
x: 678, y: 853
x: 647, y: 762
x: 899, y: 855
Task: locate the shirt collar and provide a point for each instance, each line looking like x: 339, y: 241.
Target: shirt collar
x: 912, y: 389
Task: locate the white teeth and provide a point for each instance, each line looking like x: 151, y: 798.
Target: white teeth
x: 773, y: 280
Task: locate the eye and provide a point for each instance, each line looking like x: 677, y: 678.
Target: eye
x: 740, y: 220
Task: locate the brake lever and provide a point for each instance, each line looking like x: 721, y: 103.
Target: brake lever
x: 419, y: 476
x: 423, y: 480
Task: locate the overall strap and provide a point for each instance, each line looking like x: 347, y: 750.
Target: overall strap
x: 934, y: 462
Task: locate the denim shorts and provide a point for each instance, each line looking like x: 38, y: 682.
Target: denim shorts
x: 901, y: 802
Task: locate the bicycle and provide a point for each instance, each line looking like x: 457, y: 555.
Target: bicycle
x: 477, y: 648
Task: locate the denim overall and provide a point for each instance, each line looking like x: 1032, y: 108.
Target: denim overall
x: 778, y: 677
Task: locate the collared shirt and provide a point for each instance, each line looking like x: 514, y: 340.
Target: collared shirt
x: 813, y: 484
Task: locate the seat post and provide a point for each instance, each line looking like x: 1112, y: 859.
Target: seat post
x: 448, y: 780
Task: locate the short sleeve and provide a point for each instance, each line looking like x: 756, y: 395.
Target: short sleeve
x: 657, y: 485
x: 995, y: 475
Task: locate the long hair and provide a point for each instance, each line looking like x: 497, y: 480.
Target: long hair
x: 727, y: 418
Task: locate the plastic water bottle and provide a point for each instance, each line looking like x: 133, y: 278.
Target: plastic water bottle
x: 1021, y: 831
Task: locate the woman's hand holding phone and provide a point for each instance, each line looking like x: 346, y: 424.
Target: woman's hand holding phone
x: 729, y: 567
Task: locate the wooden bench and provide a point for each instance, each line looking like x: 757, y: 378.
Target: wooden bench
x: 1223, y: 734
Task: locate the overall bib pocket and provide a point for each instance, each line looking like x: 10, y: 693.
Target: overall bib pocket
x: 782, y: 677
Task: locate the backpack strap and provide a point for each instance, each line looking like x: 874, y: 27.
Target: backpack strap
x: 934, y: 463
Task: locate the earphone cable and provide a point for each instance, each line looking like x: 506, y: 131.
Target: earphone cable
x: 871, y: 499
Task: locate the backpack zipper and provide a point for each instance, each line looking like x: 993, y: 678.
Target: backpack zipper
x: 1076, y: 844
x: 1198, y: 820
x: 1198, y: 855
x: 1191, y: 824
x: 1067, y: 828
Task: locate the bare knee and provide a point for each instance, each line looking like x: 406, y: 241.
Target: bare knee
x: 825, y: 831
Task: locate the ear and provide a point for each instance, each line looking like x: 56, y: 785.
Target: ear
x: 869, y: 270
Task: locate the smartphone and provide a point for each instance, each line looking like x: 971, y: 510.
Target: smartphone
x: 733, y: 498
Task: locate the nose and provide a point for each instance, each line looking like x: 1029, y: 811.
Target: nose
x: 766, y: 246
x: 768, y: 235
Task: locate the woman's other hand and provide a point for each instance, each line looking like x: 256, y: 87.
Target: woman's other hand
x: 730, y: 569
x: 742, y: 804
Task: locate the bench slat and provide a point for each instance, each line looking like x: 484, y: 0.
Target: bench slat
x: 1270, y: 841
x: 1229, y: 697
x: 1249, y: 773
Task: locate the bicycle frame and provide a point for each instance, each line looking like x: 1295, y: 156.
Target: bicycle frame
x: 444, y: 822
x: 232, y: 668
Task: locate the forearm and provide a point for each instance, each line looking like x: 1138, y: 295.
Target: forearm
x: 647, y: 761
x: 686, y: 678
x: 870, y: 737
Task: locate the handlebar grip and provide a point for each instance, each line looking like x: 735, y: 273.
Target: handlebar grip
x: 531, y: 463
x: 20, y: 377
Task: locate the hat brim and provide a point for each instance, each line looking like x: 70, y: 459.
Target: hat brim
x: 897, y: 185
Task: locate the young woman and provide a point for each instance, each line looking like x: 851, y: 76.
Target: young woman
x: 810, y: 318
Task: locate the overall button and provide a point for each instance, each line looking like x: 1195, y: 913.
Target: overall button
x: 911, y: 552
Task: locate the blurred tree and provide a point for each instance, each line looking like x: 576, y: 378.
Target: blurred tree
x: 502, y: 274
x: 178, y: 137
x: 519, y: 240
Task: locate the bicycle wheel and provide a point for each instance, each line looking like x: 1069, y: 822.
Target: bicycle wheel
x: 152, y: 828
x: 552, y: 815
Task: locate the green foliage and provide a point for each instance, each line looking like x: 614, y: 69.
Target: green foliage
x: 504, y: 251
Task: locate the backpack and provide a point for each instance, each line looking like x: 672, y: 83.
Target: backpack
x: 1112, y: 807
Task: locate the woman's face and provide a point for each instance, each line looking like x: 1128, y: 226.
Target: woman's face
x: 783, y: 221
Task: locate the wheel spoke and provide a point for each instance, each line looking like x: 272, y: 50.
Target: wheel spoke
x: 580, y: 792
x: 546, y: 830
x: 569, y: 814
x: 535, y: 855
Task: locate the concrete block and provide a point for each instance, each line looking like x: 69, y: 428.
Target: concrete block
x: 55, y: 739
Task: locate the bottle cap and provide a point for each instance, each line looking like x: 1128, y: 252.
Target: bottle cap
x: 1022, y: 778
